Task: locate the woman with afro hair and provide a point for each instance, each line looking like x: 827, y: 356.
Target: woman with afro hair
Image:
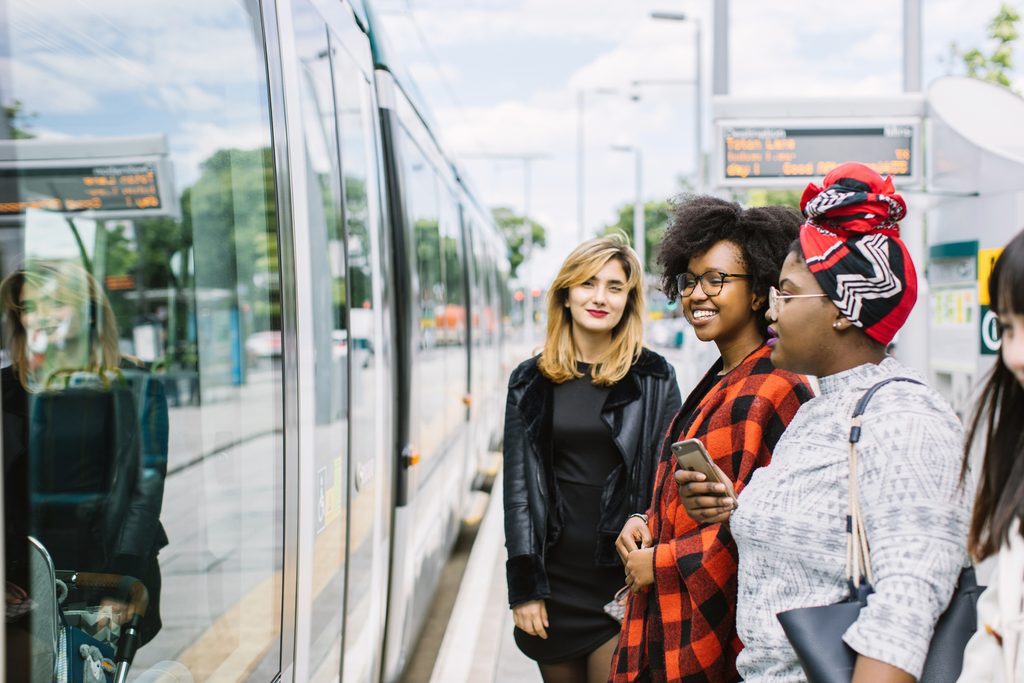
x: 720, y: 260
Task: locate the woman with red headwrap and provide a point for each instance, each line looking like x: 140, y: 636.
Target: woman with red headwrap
x: 845, y: 289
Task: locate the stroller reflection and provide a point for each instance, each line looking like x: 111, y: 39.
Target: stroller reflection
x: 62, y: 643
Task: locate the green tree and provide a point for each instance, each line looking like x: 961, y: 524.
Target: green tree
x: 231, y: 222
x: 656, y: 215
x: 773, y: 198
x: 19, y: 121
x: 512, y: 226
x: 997, y: 66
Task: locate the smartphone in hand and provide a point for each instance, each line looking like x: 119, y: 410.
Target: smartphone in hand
x: 692, y: 456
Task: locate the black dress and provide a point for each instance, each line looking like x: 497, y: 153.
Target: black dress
x: 584, y: 455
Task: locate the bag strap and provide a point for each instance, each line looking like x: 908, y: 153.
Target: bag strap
x: 858, y: 556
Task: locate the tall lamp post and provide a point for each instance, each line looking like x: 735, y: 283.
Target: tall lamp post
x: 581, y: 106
x: 639, y: 231
x: 526, y: 159
x: 698, y: 119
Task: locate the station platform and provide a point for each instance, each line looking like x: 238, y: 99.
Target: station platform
x: 477, y: 645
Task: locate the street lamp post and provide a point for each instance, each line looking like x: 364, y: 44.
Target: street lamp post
x: 698, y: 122
x: 581, y: 104
x: 639, y: 229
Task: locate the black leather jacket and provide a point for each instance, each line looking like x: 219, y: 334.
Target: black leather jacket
x: 638, y: 410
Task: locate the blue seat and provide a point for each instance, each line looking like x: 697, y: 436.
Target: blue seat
x: 84, y: 465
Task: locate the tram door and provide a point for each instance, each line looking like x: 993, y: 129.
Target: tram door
x: 323, y: 467
x: 369, y: 357
x: 343, y: 566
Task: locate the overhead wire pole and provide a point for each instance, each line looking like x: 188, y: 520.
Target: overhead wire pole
x: 526, y: 159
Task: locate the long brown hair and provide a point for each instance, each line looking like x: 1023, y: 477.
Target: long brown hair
x: 558, y: 358
x: 998, y: 425
x: 74, y: 286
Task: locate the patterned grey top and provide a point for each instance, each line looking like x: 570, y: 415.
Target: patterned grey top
x: 791, y: 521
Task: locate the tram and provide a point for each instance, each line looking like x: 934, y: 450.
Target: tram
x: 255, y: 344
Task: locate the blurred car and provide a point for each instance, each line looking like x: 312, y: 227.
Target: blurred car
x: 264, y: 344
x: 667, y: 332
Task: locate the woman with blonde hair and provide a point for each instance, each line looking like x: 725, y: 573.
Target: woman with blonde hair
x: 583, y: 423
x: 57, y: 319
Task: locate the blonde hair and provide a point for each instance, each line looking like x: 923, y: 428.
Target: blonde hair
x: 558, y: 357
x: 73, y: 286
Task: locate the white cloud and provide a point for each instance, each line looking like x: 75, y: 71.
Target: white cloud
x: 429, y: 74
x: 196, y: 141
x: 42, y: 90
x: 651, y: 50
x: 71, y: 56
x: 450, y: 23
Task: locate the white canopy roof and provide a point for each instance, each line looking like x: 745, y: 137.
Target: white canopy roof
x: 977, y: 137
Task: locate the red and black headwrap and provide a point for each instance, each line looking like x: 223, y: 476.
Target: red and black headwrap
x: 851, y: 243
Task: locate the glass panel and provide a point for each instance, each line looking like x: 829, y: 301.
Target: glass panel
x: 427, y: 419
x: 330, y: 340
x: 452, y: 322
x: 142, y: 333
x: 367, y: 483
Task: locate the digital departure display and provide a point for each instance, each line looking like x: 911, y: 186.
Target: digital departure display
x: 803, y: 153
x: 114, y: 189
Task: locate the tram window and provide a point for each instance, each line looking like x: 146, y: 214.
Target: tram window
x: 331, y: 343
x: 142, y: 404
x: 427, y: 418
x: 452, y: 321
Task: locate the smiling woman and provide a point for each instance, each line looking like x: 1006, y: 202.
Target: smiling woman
x: 721, y: 259
x: 582, y: 429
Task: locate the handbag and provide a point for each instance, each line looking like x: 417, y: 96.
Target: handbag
x: 816, y: 633
x: 616, y: 607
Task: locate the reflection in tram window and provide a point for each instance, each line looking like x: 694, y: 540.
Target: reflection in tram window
x: 451, y: 321
x: 427, y: 418
x: 91, y: 430
x: 151, y: 126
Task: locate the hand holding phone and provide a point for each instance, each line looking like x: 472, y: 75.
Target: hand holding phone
x: 704, y: 490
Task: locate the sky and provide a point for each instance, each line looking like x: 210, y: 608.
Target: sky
x: 502, y: 77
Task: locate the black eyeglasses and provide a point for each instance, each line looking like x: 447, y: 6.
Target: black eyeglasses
x: 711, y: 282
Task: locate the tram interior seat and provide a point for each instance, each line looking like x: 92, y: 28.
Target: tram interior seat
x: 84, y: 458
x: 151, y: 401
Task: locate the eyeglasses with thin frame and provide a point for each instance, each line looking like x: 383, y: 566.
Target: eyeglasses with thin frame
x: 711, y: 282
x: 777, y: 298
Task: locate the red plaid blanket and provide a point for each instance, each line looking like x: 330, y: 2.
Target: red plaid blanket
x: 683, y: 629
